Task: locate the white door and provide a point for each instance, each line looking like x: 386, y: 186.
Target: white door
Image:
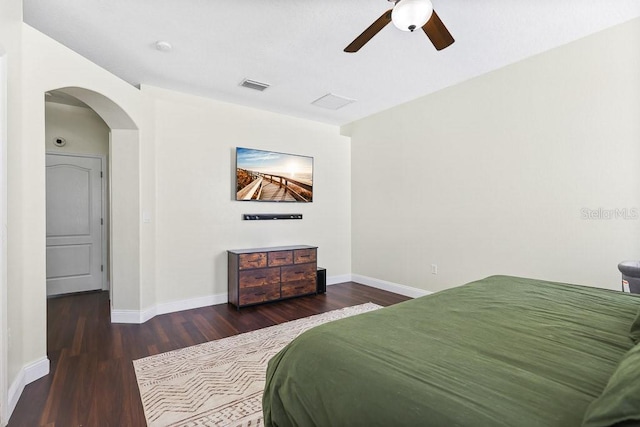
x: 74, y: 224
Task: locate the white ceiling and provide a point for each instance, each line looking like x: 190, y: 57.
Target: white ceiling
x: 297, y: 46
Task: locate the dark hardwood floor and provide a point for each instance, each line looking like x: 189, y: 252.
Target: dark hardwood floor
x: 92, y: 381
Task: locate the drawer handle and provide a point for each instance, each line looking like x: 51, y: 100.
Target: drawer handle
x: 261, y: 277
x: 281, y: 257
x: 299, y: 272
x: 299, y: 287
x: 259, y: 293
x: 305, y: 256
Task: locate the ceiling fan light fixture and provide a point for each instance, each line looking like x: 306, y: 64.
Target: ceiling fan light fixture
x: 408, y: 15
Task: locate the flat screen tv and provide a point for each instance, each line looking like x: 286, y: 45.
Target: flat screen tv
x: 268, y: 176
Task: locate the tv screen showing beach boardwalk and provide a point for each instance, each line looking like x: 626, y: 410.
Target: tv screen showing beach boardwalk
x: 273, y: 177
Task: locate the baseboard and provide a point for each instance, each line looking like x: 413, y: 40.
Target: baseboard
x: 28, y: 374
x: 135, y: 316
x: 188, y: 304
x: 396, y: 288
x: 126, y: 316
x: 334, y: 280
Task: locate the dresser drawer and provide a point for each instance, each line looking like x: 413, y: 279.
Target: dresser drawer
x: 259, y: 277
x: 304, y: 255
x: 259, y: 294
x: 280, y: 258
x: 300, y: 287
x: 254, y: 260
x: 293, y: 273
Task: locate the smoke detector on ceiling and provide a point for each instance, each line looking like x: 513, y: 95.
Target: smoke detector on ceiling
x: 163, y: 46
x: 252, y: 84
x: 332, y: 102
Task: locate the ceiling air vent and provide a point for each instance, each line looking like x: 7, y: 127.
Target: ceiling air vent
x: 332, y: 102
x: 252, y: 84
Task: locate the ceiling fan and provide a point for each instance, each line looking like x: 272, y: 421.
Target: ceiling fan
x: 408, y: 15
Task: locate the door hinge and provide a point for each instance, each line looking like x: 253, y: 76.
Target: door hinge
x: 102, y: 268
x: 100, y: 174
x: 101, y: 221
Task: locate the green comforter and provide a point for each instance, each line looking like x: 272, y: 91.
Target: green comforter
x: 503, y: 351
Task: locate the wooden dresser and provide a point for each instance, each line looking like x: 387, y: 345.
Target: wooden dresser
x: 270, y: 274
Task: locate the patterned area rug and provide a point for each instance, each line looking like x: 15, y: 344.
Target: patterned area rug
x: 219, y: 383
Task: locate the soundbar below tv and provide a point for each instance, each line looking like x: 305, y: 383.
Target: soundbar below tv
x: 260, y: 217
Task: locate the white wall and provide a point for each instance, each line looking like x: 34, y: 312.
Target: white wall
x: 125, y: 228
x: 10, y: 48
x: 3, y: 238
x: 84, y: 131
x: 490, y: 176
x: 42, y: 65
x: 197, y: 220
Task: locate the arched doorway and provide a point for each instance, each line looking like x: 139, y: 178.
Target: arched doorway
x: 77, y: 204
x: 124, y: 198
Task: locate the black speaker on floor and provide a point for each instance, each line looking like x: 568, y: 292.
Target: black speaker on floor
x: 321, y: 280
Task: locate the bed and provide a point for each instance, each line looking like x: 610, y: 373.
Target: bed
x: 502, y: 351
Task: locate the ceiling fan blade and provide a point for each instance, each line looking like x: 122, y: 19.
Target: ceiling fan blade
x: 368, y: 34
x: 437, y: 32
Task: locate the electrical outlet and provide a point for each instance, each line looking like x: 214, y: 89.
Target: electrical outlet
x: 625, y: 286
x: 434, y: 269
